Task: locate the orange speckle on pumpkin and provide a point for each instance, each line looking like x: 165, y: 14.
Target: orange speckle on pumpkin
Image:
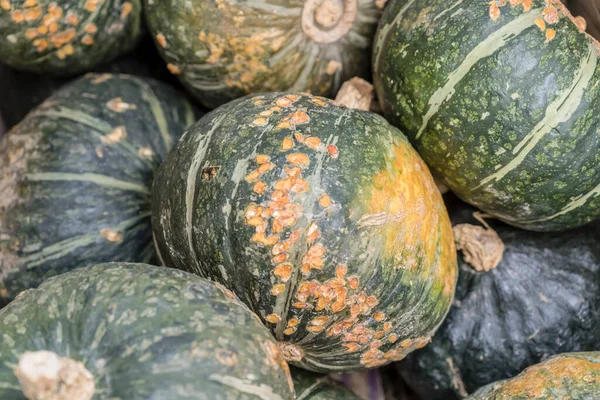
x: 255, y: 221
x: 259, y: 187
x: 581, y: 23
x: 284, y: 125
x: 298, y: 159
x: 379, y: 316
x: 226, y: 357
x: 333, y: 150
x: 300, y: 304
x: 145, y: 152
x: 72, y: 19
x: 32, y: 14
x: 91, y: 28
x: 494, y: 10
x: 340, y: 271
x: 325, y: 201
x: 289, y: 331
x: 30, y: 3
x: 300, y: 185
x: 387, y: 326
x: 319, y: 321
x: 300, y: 118
x: 540, y: 24
x: 338, y: 306
x: 393, y: 338
x: 117, y: 134
x: 126, y: 9
x: 283, y: 271
x: 111, y: 235
x: 313, y: 142
x: 287, y: 144
x: 527, y: 4
x: 550, y: 14
x: 273, y: 318
x: 53, y: 27
x: 293, y: 322
x: 87, y: 40
x: 312, y: 233
x: 252, y: 176
x: 261, y: 121
x: 550, y: 34
x: 351, y: 347
x: 41, y: 44
x: 315, y: 328
x: 372, y: 301
x: 31, y: 33
x: 161, y: 40
x: 279, y: 258
x: 265, y: 167
x: 118, y: 105
x: 5, y: 4
x: 266, y: 113
x: 91, y: 5
x: 299, y: 137
x: 283, y: 102
x: 174, y: 69
x: 17, y: 16
x: 61, y: 38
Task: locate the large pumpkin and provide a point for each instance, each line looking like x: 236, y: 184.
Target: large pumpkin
x: 322, y: 219
x: 543, y: 298
x: 75, y: 177
x: 225, y: 49
x: 134, y: 331
x: 567, y: 376
x: 500, y: 100
x: 65, y: 37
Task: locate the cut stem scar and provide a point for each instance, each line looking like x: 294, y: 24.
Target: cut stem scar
x: 482, y: 248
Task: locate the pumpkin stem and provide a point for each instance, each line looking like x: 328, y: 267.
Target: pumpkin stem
x: 327, y: 21
x: 291, y: 352
x: 482, y: 247
x: 356, y: 93
x: 46, y: 376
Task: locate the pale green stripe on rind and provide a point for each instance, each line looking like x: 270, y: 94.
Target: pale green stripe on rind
x: 97, y: 179
x: 306, y: 392
x: 385, y: 30
x: 261, y: 391
x: 447, y: 10
x: 159, y: 115
x: 493, y: 43
x: 559, y: 111
x: 574, y: 204
x: 192, y: 177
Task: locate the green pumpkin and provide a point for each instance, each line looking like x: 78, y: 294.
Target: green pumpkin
x: 224, y: 49
x: 573, y: 376
x: 75, y: 177
x: 144, y: 332
x: 311, y: 386
x: 541, y: 299
x: 500, y: 101
x: 322, y: 219
x: 66, y: 37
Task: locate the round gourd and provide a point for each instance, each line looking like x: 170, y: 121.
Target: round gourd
x: 311, y: 386
x: 567, y: 376
x: 134, y: 331
x: 222, y: 50
x: 66, y: 37
x: 75, y: 177
x: 321, y: 218
x: 543, y: 298
x: 500, y: 100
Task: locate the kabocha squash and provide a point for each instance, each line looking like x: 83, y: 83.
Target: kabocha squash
x: 567, y: 376
x: 124, y: 331
x: 66, y: 37
x: 543, y: 298
x: 500, y: 100
x: 75, y: 177
x: 321, y: 218
x: 311, y: 386
x: 223, y: 50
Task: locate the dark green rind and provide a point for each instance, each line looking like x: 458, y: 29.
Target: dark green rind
x: 542, y: 299
x: 145, y: 332
x: 116, y: 34
x: 200, y: 197
x: 49, y: 226
x: 257, y: 46
x: 574, y: 376
x: 495, y: 106
x: 311, y: 386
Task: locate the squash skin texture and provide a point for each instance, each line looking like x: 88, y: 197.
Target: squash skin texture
x: 500, y: 102
x: 311, y: 386
x: 571, y: 375
x: 542, y: 299
x: 145, y: 332
x: 76, y: 176
x: 322, y: 219
x: 225, y: 49
x: 67, y: 37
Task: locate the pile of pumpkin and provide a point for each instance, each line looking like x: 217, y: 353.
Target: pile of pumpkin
x: 293, y: 229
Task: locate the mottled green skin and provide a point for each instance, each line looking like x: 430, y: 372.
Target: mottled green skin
x: 64, y: 184
x: 145, y: 332
x: 505, y: 97
x: 573, y: 376
x: 116, y: 34
x: 256, y: 46
x: 540, y: 300
x: 311, y: 386
x: 201, y: 199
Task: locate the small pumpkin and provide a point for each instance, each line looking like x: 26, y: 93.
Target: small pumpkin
x: 66, y: 37
x: 321, y: 218
x: 565, y: 376
x: 311, y: 386
x: 75, y: 177
x: 500, y: 100
x: 542, y: 299
x: 223, y: 50
x: 134, y: 331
